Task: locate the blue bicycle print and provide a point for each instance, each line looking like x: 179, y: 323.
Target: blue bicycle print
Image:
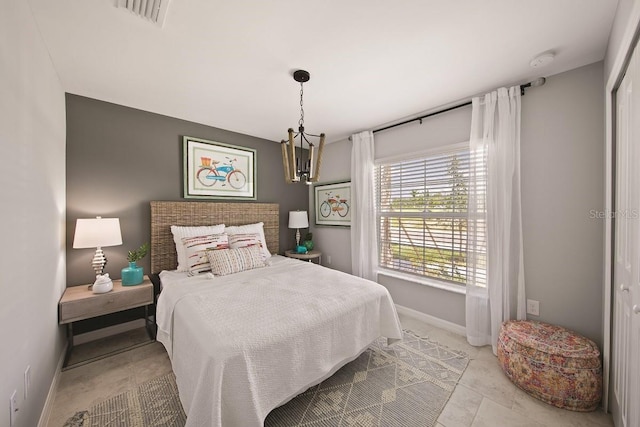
x: 210, y: 173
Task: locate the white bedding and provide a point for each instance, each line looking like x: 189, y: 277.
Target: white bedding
x: 242, y: 345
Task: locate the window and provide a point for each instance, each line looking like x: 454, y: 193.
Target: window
x: 422, y: 216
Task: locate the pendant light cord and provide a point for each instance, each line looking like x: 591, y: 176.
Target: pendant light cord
x: 301, y: 121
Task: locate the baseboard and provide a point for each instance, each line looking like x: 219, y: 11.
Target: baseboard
x: 108, y: 331
x: 51, y: 395
x: 432, y: 320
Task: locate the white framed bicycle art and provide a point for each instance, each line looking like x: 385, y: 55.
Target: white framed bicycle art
x: 333, y: 203
x: 214, y: 170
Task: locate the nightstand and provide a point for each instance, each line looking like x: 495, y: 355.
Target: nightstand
x: 80, y: 303
x: 311, y: 255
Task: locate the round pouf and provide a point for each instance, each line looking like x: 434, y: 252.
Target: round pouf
x: 551, y: 363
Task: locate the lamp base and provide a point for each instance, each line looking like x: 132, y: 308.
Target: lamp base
x: 102, y: 285
x: 99, y: 261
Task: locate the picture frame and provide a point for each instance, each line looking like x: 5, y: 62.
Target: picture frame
x: 333, y: 203
x: 215, y: 170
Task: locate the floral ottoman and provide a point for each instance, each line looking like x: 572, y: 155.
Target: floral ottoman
x: 551, y: 363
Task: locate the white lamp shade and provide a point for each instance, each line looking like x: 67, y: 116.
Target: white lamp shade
x: 97, y: 232
x: 298, y: 219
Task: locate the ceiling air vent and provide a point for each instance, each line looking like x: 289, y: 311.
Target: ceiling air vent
x: 152, y: 10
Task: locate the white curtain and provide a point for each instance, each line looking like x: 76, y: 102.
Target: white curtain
x: 495, y: 220
x: 364, y: 247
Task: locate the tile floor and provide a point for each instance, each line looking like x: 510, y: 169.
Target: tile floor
x: 484, y: 397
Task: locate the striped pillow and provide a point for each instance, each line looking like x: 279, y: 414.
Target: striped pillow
x: 243, y: 240
x: 228, y: 261
x: 179, y: 232
x: 196, y: 251
x: 257, y: 228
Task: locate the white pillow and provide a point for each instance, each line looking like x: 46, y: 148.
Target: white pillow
x: 180, y: 232
x: 228, y: 261
x: 197, y: 247
x: 251, y: 228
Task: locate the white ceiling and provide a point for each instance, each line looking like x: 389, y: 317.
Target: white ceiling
x: 228, y: 64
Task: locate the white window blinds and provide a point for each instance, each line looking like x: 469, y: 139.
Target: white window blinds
x: 422, y: 215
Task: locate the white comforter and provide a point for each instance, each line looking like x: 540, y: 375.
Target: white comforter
x: 242, y: 345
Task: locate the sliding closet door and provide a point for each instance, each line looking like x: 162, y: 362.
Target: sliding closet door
x: 626, y: 310
x: 622, y: 274
x: 632, y: 297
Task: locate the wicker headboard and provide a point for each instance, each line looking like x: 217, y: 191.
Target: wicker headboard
x: 166, y: 214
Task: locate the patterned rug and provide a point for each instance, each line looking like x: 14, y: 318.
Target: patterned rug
x: 406, y: 384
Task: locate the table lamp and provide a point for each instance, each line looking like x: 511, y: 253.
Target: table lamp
x: 97, y: 233
x: 298, y: 220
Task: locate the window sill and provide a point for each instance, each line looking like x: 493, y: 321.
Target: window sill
x: 458, y: 289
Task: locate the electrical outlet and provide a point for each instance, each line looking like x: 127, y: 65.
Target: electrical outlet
x: 533, y: 307
x: 13, y: 407
x: 328, y: 259
x: 27, y: 381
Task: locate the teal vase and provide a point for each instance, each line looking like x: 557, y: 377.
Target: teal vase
x: 132, y: 275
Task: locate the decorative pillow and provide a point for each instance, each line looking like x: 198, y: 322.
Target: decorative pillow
x: 228, y: 261
x: 242, y: 240
x: 251, y: 228
x: 196, y: 251
x: 179, y: 232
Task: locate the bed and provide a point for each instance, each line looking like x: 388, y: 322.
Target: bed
x: 245, y: 343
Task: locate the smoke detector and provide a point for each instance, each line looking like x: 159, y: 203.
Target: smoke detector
x: 542, y: 60
x: 151, y: 10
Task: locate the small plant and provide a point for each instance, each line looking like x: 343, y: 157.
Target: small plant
x: 308, y: 243
x: 139, y: 253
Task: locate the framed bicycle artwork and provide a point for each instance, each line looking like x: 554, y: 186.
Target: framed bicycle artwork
x: 213, y: 170
x: 333, y: 203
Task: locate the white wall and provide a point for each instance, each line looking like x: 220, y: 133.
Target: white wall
x: 32, y: 183
x: 562, y: 170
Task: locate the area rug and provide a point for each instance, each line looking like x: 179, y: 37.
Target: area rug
x: 405, y: 384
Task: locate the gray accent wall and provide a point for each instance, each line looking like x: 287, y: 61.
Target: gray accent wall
x: 32, y: 177
x: 333, y: 242
x: 562, y: 163
x: 562, y: 166
x: 120, y: 158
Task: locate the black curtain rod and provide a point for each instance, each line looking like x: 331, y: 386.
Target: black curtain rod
x: 534, y: 83
x: 423, y: 117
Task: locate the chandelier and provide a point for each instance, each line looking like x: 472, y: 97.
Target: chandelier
x: 304, y: 165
